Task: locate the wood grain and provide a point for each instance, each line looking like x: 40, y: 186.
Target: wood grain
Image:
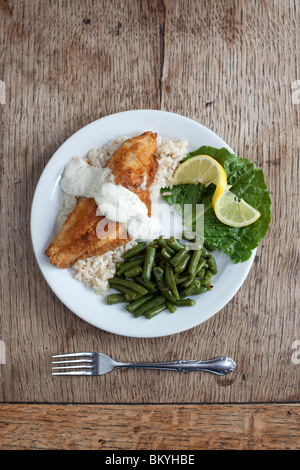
x: 229, y: 65
x: 137, y: 427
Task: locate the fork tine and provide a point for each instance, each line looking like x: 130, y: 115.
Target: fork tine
x: 84, y: 364
x: 77, y: 361
x: 74, y: 372
x: 82, y: 354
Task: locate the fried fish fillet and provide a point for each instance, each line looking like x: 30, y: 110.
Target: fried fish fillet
x: 134, y: 166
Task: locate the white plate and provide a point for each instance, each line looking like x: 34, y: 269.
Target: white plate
x: 82, y: 300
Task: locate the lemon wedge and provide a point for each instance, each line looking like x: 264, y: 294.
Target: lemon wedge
x: 228, y: 208
x: 233, y: 211
x: 201, y: 169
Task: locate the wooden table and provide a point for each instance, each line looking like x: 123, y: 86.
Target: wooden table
x: 231, y: 65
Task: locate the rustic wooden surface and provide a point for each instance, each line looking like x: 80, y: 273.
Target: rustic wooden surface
x: 144, y: 427
x: 229, y: 65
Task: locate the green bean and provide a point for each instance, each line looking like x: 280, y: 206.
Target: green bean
x: 188, y: 282
x: 190, y: 289
x: 164, y: 290
x: 195, y: 258
x: 133, y: 272
x: 162, y: 274
x: 200, y: 290
x: 158, y: 274
x: 200, y: 266
x: 129, y: 284
x: 205, y: 281
x: 134, y: 251
x: 171, y: 282
x: 171, y: 250
x: 183, y: 263
x: 139, y: 256
x: 166, y: 253
x: 161, y: 242
x: 131, y: 295
x: 175, y: 244
x: 205, y: 253
x: 154, y: 302
x: 171, y: 307
x: 135, y: 304
x: 185, y: 302
x: 212, y: 264
x: 181, y: 280
x: 130, y: 264
x: 115, y: 298
x: 168, y: 294
x: 155, y: 311
x: 201, y: 273
x: 148, y: 263
x: 208, y: 274
x: 153, y: 244
x: 162, y: 263
x: 178, y: 257
x: 149, y: 285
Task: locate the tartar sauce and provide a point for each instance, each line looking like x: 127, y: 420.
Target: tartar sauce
x: 115, y: 202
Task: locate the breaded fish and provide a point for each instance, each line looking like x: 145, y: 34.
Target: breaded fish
x: 133, y: 165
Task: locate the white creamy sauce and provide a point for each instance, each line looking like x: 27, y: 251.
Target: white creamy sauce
x: 81, y: 179
x: 115, y: 202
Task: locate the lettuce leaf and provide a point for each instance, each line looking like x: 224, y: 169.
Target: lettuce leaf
x: 247, y: 182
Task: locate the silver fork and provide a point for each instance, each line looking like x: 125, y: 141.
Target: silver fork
x: 89, y: 363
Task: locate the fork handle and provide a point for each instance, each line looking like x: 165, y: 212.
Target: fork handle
x: 221, y: 365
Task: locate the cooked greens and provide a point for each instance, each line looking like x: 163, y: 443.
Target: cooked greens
x: 247, y: 182
x: 161, y: 275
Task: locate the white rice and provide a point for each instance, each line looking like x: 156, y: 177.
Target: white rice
x: 95, y: 271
